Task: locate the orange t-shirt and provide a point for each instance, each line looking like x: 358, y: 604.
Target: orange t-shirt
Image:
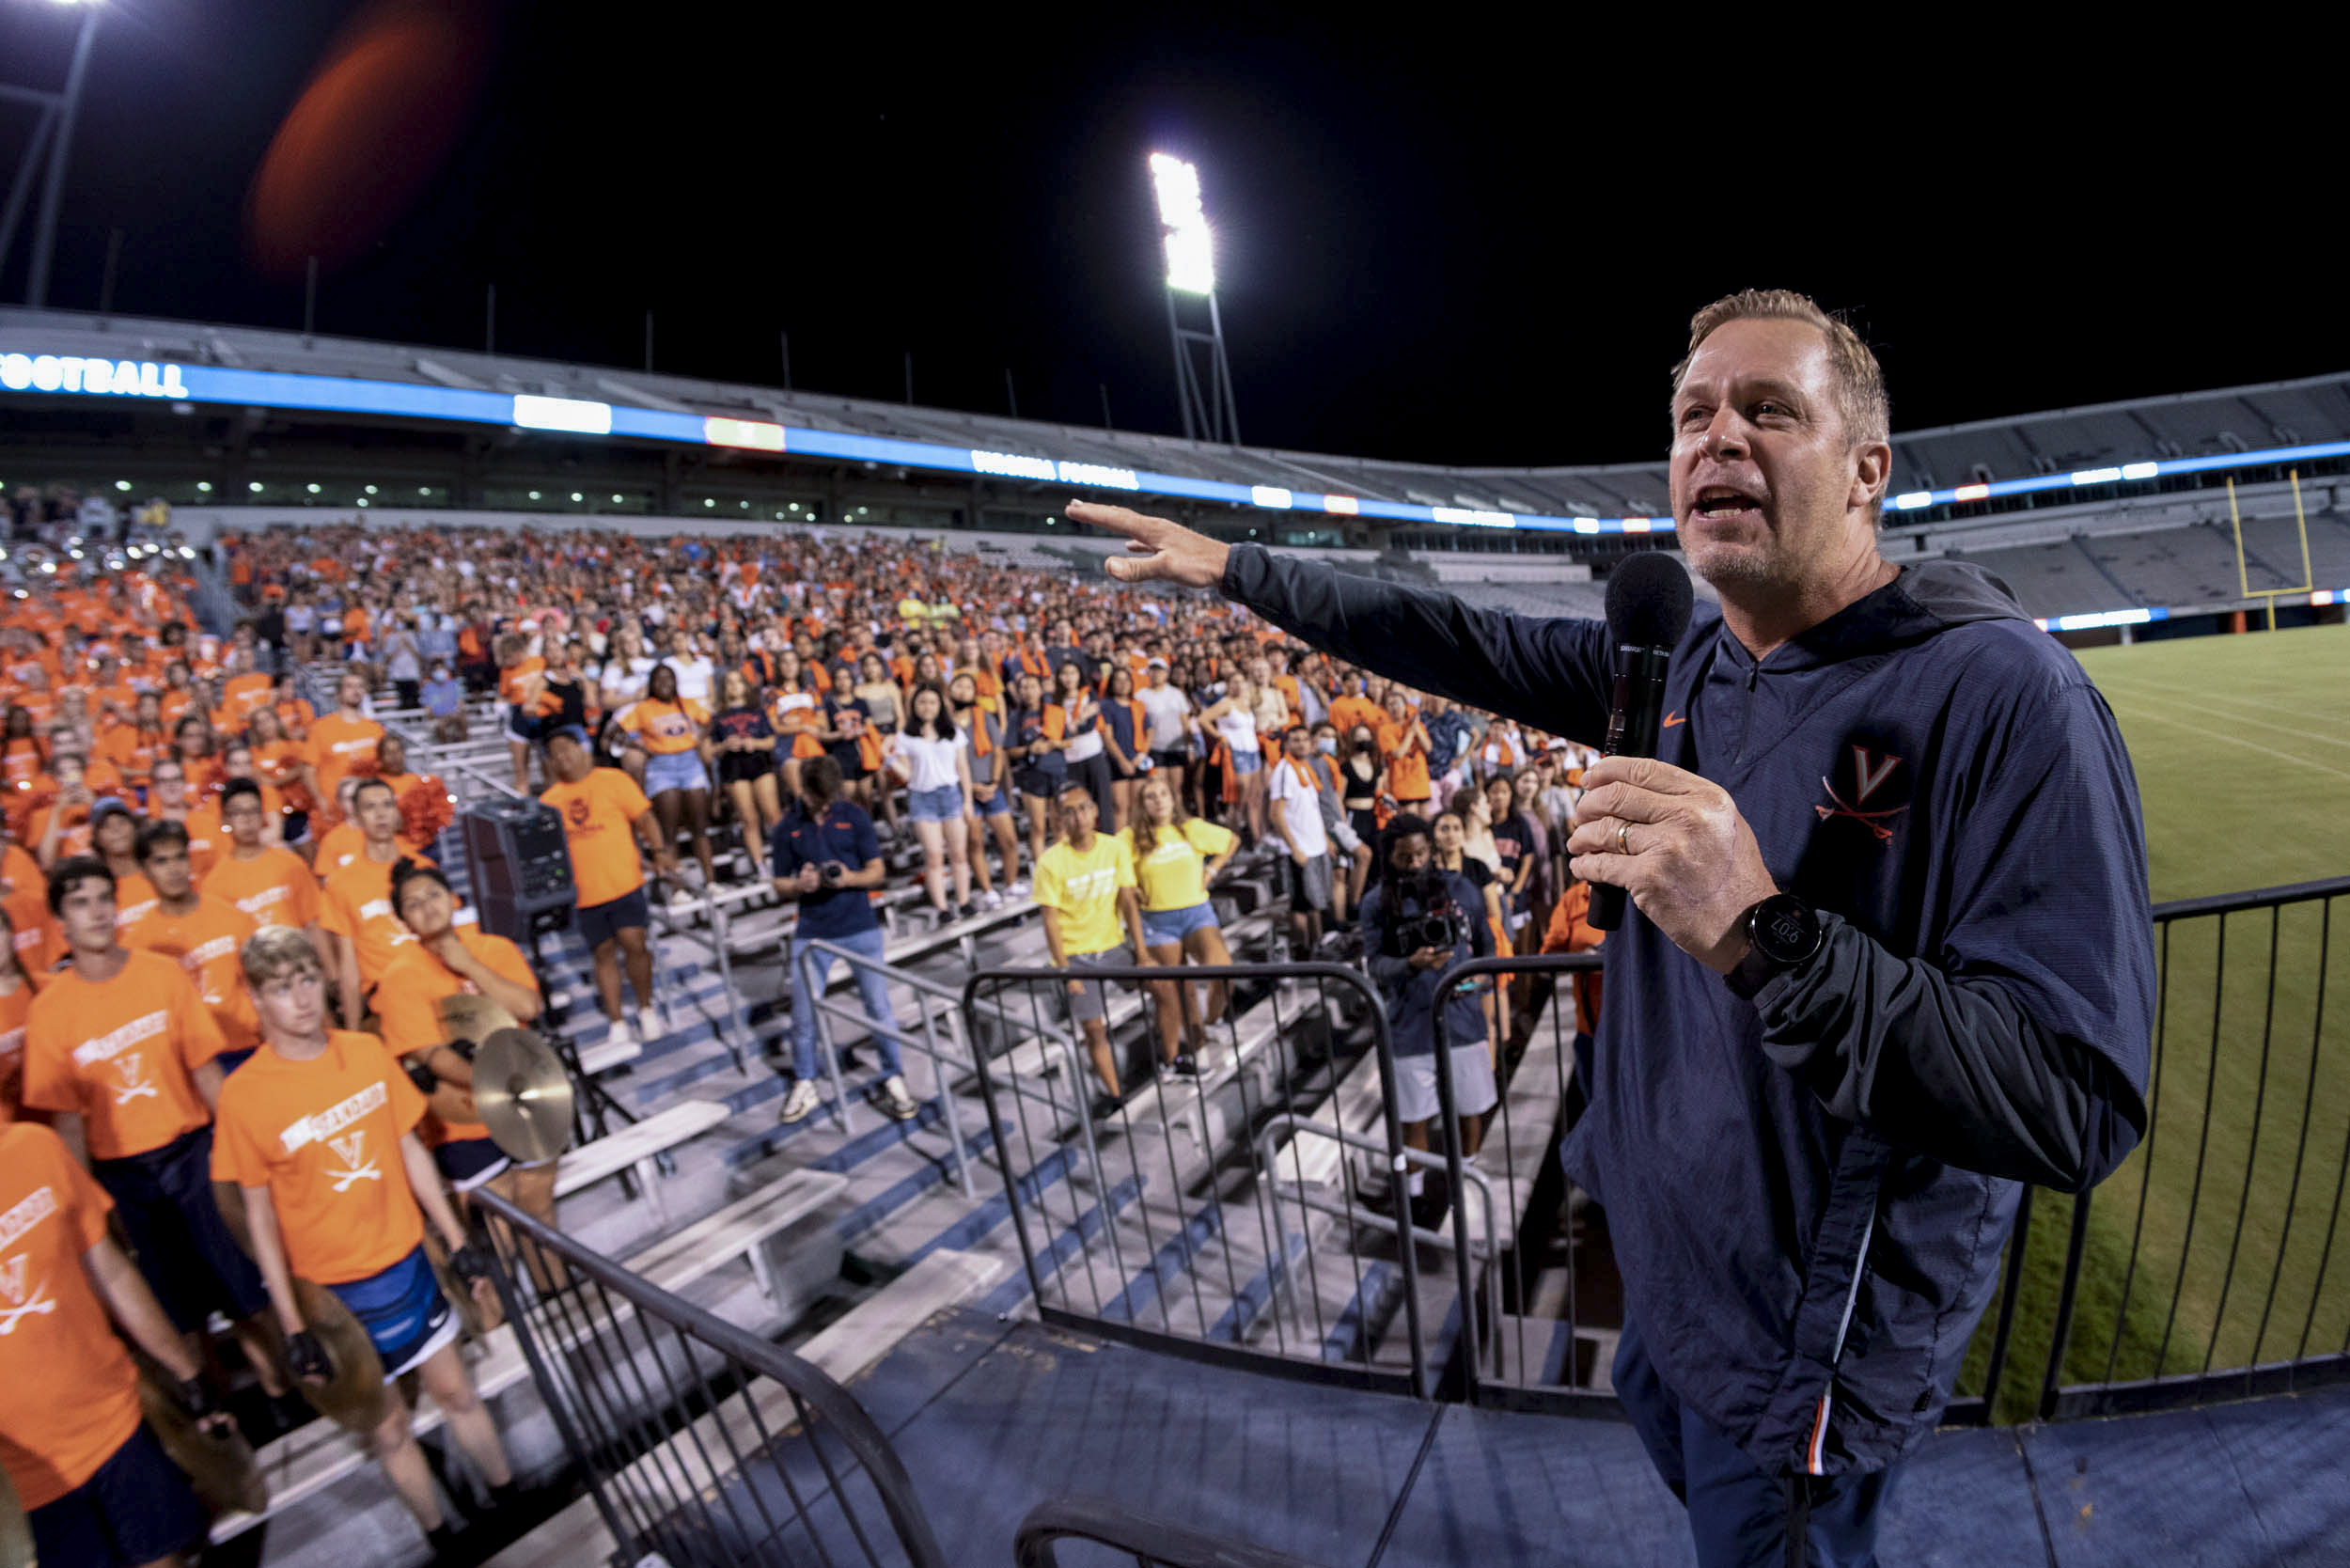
x: 667, y: 729
x: 14, y: 1009
x: 133, y: 751
x: 40, y: 941
x: 418, y: 979
x: 598, y: 815
x: 514, y: 680
x: 242, y: 693
x: 120, y: 1054
x: 72, y: 1390
x: 323, y: 1137
x: 295, y: 715
x: 1407, y: 770
x: 1348, y: 712
x: 207, y: 941
x: 274, y: 887
x: 356, y: 902
x: 134, y: 899
x: 338, y: 744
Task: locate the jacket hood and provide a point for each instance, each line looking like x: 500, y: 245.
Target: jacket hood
x: 1923, y: 602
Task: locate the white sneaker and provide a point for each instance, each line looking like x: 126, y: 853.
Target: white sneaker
x: 896, y: 1100
x: 684, y: 897
x: 990, y: 899
x: 619, y: 1033
x: 650, y: 1025
x: 1016, y: 891
x: 799, y: 1102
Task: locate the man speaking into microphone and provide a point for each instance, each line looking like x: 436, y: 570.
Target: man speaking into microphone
x: 1892, y: 955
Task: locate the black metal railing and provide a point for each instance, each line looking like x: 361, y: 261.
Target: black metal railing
x: 1535, y: 1333
x: 1152, y: 1542
x: 701, y: 1444
x: 1227, y: 1214
x: 2207, y: 1268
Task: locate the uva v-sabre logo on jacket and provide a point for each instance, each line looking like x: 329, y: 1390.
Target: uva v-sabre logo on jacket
x: 1870, y: 787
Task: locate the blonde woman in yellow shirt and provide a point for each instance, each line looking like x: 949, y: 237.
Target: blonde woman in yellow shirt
x: 1175, y: 857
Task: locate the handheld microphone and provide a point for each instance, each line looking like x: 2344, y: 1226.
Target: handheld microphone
x: 1648, y: 609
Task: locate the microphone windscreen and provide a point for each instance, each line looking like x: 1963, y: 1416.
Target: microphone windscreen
x: 1648, y: 599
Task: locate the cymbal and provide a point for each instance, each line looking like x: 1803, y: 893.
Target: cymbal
x: 353, y: 1398
x: 522, y: 1095
x: 221, y: 1469
x: 16, y: 1530
x: 466, y: 1016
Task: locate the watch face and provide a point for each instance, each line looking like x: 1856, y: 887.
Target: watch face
x: 1785, y: 929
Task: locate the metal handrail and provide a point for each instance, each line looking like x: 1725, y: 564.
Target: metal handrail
x: 805, y: 1380
x: 1470, y: 969
x: 1346, y: 977
x: 2257, y: 898
x: 1292, y: 1123
x: 1146, y: 1539
x: 826, y: 1008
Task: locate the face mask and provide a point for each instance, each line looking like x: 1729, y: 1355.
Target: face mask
x: 1329, y: 743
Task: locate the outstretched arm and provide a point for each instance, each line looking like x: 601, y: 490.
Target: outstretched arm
x: 1553, y: 673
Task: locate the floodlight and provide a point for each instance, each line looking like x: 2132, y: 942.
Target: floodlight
x: 1190, y: 249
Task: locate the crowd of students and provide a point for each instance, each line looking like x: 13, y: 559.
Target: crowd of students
x: 203, y: 877
x: 226, y: 935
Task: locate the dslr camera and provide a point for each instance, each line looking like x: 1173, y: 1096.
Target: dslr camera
x: 1440, y: 922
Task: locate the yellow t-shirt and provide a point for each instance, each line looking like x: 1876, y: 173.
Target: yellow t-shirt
x: 1084, y: 887
x: 1174, y: 875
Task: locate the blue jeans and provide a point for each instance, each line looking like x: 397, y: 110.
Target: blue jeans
x: 809, y: 970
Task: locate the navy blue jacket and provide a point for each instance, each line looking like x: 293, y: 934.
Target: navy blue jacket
x: 1808, y: 1193
x: 840, y: 834
x: 1410, y: 993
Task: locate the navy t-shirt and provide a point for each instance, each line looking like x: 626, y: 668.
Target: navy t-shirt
x: 843, y: 835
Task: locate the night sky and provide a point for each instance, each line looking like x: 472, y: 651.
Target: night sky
x: 1466, y: 244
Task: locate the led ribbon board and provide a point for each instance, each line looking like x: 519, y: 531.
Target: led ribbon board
x: 74, y: 375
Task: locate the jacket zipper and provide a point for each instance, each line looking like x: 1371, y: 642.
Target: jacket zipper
x: 1815, y: 1452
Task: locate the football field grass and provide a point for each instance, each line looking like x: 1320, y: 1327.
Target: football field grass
x: 2216, y: 1245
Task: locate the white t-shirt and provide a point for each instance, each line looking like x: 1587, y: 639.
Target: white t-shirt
x: 1301, y: 804
x: 692, y: 677
x: 1162, y: 709
x: 930, y: 764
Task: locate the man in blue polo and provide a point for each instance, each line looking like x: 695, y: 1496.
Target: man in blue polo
x: 827, y: 856
x: 1892, y: 956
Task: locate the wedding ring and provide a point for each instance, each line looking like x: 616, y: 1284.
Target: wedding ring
x: 1623, y: 839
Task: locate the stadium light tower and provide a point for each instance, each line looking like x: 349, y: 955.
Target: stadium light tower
x: 1209, y: 412
x: 53, y: 127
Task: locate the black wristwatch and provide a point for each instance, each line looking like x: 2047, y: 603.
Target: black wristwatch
x: 1783, y: 932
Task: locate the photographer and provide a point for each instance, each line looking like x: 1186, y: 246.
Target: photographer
x: 1418, y: 922
x: 827, y: 856
x: 1893, y: 951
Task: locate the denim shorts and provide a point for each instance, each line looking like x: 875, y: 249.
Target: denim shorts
x: 674, y: 770
x: 1164, y: 928
x: 1246, y: 763
x: 942, y: 805
x: 997, y: 804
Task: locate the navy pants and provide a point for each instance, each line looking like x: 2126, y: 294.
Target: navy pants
x: 1737, y: 1511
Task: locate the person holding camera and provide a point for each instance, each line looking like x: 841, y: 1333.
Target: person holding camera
x: 827, y: 856
x: 1419, y: 921
x: 319, y: 1132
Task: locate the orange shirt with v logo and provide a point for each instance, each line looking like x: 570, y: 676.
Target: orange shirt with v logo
x: 119, y: 1054
x: 323, y: 1137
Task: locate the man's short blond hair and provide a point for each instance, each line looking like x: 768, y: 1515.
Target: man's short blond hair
x: 279, y: 952
x: 1859, y: 380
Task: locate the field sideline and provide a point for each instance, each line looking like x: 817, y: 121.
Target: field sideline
x: 2242, y: 750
